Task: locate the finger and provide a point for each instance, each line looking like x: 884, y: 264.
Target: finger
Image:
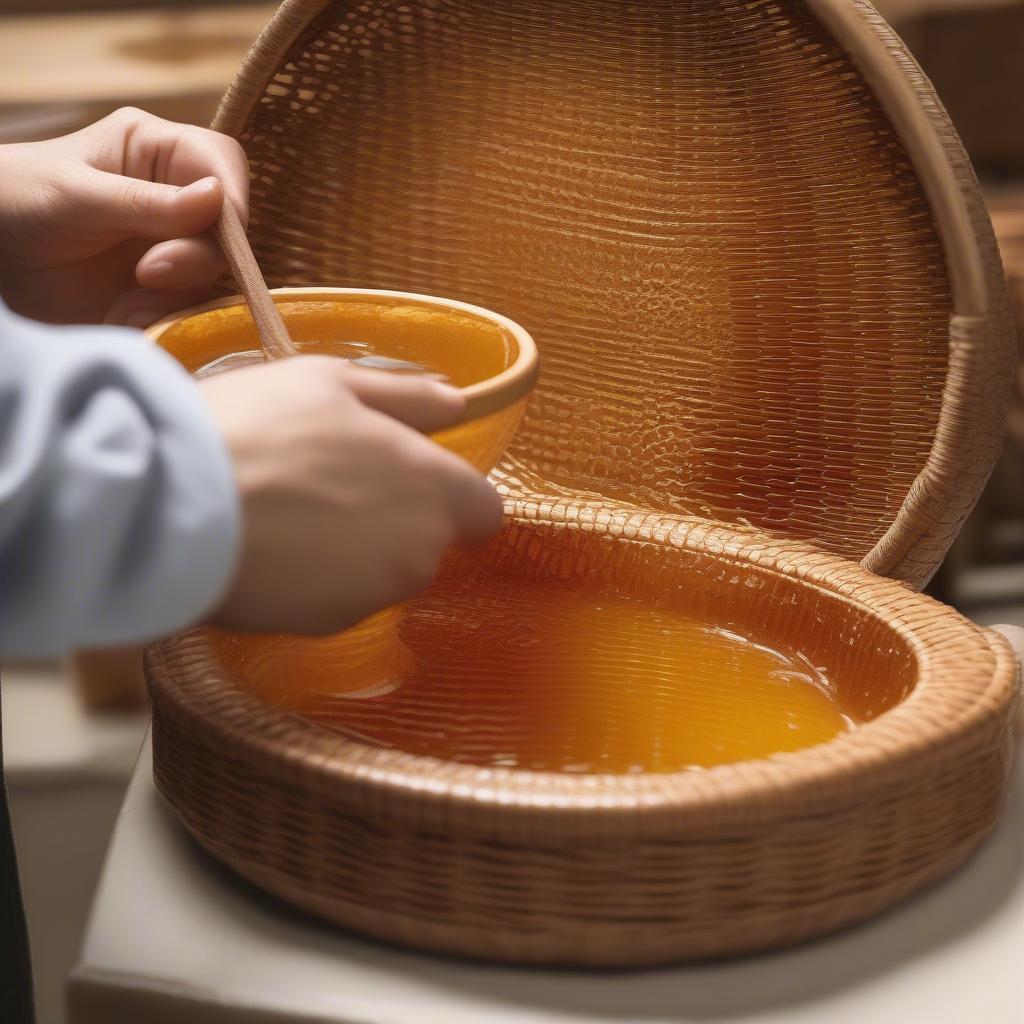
x: 143, y: 307
x: 140, y: 145
x: 200, y: 153
x: 475, y: 505
x: 132, y: 208
x: 181, y: 263
x: 424, y: 405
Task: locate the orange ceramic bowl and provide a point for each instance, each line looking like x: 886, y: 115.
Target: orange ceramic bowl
x: 490, y: 358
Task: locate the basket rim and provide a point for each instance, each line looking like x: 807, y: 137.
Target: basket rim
x: 967, y: 677
x: 483, y: 398
x: 981, y: 344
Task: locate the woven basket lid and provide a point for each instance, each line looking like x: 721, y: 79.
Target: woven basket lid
x: 744, y: 234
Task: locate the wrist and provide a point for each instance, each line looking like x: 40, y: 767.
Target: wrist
x: 26, y: 193
x: 8, y: 203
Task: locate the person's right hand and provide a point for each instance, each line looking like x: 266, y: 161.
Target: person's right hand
x: 347, y: 507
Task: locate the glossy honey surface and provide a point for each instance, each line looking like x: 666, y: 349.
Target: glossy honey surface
x: 465, y: 348
x: 545, y: 676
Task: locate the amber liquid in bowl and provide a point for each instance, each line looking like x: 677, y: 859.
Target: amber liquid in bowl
x: 457, y: 346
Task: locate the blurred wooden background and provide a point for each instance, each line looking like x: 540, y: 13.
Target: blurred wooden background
x: 973, y: 51
x: 59, y: 72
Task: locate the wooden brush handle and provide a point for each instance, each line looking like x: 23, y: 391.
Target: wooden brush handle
x: 277, y: 343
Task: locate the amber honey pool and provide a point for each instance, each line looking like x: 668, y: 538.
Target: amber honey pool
x: 642, y: 665
x: 539, y: 676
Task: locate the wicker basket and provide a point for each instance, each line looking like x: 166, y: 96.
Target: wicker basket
x: 776, y: 345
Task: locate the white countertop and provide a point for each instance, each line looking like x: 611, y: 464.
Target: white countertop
x: 173, y: 934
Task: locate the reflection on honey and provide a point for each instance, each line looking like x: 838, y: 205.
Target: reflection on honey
x: 359, y: 353
x: 569, y: 681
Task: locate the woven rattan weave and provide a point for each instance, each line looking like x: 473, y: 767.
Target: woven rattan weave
x: 775, y: 344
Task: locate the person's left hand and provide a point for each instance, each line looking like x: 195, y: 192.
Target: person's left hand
x: 111, y: 223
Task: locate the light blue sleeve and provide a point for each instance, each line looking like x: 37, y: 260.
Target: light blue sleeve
x: 119, y: 518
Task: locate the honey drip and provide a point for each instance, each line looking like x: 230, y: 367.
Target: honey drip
x: 570, y: 682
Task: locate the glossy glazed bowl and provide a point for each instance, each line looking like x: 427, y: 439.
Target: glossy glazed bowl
x: 490, y: 358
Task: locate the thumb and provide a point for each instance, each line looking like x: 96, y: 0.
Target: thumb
x: 133, y: 208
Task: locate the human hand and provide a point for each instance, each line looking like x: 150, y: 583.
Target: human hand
x: 346, y: 507
x: 111, y: 223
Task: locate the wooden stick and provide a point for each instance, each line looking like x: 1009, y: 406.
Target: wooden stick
x: 277, y: 343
